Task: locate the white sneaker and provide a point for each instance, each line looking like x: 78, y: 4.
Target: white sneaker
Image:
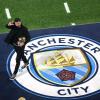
x: 25, y: 65
x: 13, y: 77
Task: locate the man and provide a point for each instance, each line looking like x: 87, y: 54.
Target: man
x: 18, y: 38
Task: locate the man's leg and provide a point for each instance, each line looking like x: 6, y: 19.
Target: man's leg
x: 18, y: 58
x: 24, y: 59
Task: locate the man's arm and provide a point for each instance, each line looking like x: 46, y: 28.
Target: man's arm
x: 9, y: 38
x: 10, y: 25
x: 27, y: 35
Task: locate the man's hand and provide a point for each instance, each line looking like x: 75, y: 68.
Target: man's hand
x: 11, y: 23
x: 21, y: 41
x: 20, y: 44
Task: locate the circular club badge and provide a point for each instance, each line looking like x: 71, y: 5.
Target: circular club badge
x: 59, y: 66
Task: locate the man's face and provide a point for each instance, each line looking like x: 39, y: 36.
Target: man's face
x: 18, y: 24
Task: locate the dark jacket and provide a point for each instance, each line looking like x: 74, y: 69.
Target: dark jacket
x: 15, y: 33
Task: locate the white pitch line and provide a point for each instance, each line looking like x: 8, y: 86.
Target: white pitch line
x: 73, y: 24
x: 67, y: 7
x: 8, y: 13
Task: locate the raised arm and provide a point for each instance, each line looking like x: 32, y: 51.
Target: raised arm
x: 10, y: 25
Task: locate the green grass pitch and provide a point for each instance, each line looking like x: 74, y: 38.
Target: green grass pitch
x: 37, y: 14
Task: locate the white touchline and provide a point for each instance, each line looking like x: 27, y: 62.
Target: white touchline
x: 8, y: 13
x: 73, y: 24
x: 68, y: 11
x: 67, y: 7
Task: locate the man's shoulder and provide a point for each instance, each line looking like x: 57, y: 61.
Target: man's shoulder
x: 24, y: 27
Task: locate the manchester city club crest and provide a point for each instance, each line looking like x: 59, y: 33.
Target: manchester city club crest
x: 60, y: 66
x: 66, y: 67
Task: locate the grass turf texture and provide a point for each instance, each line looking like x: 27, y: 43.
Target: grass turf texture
x: 37, y: 14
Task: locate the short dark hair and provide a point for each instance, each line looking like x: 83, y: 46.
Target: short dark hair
x: 17, y: 20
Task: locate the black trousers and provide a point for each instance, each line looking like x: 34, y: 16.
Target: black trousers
x: 20, y: 56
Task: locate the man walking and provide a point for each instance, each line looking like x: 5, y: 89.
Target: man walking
x: 18, y: 37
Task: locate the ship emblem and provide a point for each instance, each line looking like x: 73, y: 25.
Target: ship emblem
x: 60, y: 59
x: 66, y: 67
